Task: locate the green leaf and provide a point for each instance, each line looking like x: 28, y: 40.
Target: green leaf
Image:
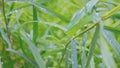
x: 35, y: 24
x: 83, y: 57
x: 92, y: 63
x: 67, y: 61
x: 92, y: 47
x: 113, y: 42
x: 106, y: 54
x: 34, y: 51
x: 74, y: 55
x: 77, y: 16
x: 5, y: 38
x: 21, y: 44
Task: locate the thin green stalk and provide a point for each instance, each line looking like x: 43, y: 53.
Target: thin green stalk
x: 6, y: 56
x: 109, y: 13
x: 5, y: 20
x: 93, y: 42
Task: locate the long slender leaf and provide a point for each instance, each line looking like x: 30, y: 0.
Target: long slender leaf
x: 34, y: 51
x: 83, y: 57
x: 93, y: 43
x: 5, y: 38
x: 106, y: 54
x: 74, y: 55
x: 35, y: 24
x: 77, y: 16
x: 92, y: 63
x: 113, y: 42
x: 67, y: 61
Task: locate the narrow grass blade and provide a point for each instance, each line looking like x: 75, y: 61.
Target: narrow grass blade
x: 5, y: 38
x: 113, y: 42
x: 92, y: 63
x: 106, y: 54
x: 74, y: 55
x: 77, y: 16
x: 34, y: 51
x: 21, y: 44
x: 83, y: 57
x: 93, y: 43
x: 35, y: 24
x: 67, y: 61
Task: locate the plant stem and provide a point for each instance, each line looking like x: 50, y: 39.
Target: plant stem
x: 5, y: 20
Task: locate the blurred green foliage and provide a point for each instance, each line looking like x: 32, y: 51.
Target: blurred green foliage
x: 60, y: 34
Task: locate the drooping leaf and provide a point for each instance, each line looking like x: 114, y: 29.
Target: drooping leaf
x: 77, y: 16
x: 34, y: 51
